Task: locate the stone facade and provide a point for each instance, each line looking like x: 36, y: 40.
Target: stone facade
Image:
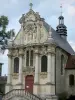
x: 34, y: 45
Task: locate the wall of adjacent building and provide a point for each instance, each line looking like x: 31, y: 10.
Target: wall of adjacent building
x: 60, y: 79
x: 69, y: 89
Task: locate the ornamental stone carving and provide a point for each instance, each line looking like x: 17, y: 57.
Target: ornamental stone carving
x: 51, y: 49
x: 28, y: 69
x: 15, y: 53
x: 36, y: 51
x: 30, y: 28
x: 21, y: 51
x: 43, y: 75
x: 43, y: 50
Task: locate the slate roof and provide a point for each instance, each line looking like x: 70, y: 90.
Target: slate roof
x: 70, y: 62
x: 62, y: 43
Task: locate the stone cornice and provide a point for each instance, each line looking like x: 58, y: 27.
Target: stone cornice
x: 28, y: 45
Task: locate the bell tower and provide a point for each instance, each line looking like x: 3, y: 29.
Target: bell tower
x: 61, y: 28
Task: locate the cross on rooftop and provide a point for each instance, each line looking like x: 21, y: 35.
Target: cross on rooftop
x: 31, y: 5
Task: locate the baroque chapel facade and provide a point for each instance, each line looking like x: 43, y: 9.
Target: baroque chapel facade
x: 37, y: 59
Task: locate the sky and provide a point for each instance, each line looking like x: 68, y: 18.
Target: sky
x: 48, y: 9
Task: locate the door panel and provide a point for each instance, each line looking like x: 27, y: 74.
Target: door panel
x: 29, y: 81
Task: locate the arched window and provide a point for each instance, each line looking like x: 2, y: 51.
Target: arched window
x: 44, y: 64
x: 31, y: 58
x: 62, y: 64
x: 71, y: 80
x: 16, y: 65
x: 27, y: 58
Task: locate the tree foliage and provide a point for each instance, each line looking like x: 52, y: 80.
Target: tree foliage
x: 4, y: 34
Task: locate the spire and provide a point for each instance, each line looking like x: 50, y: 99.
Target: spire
x: 61, y: 18
x: 61, y: 9
x: 31, y: 5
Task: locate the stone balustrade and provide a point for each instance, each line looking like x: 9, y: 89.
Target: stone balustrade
x: 20, y: 93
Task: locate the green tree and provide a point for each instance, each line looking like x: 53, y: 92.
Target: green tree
x: 4, y: 34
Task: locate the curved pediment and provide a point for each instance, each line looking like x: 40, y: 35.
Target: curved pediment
x: 30, y: 16
x: 33, y: 29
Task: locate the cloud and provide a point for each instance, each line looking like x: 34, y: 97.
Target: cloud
x: 71, y: 10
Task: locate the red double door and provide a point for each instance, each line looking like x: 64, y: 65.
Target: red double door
x: 29, y: 81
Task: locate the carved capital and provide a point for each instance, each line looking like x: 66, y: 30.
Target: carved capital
x: 21, y: 52
x: 36, y: 51
x: 51, y: 50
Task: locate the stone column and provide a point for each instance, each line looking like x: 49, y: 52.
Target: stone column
x: 49, y: 67
x: 53, y: 68
x: 20, y: 78
x: 36, y: 79
x: 9, y: 78
x: 9, y: 69
x: 53, y: 74
x: 20, y: 68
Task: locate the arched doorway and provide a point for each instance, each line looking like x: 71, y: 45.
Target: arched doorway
x: 29, y: 81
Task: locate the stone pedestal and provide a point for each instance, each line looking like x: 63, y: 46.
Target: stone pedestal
x: 36, y: 89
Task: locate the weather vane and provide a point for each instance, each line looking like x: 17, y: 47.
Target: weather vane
x: 31, y: 5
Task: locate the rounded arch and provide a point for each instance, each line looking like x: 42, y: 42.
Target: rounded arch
x: 44, y: 63
x: 16, y: 65
x: 71, y: 79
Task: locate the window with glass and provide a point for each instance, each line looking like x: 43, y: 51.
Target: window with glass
x: 31, y: 58
x: 71, y: 80
x: 16, y: 65
x: 44, y: 64
x: 27, y: 58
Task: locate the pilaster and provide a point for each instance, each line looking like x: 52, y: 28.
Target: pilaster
x: 9, y: 78
x: 51, y: 70
x: 20, y: 79
x: 36, y: 77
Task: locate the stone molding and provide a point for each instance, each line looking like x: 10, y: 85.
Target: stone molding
x: 28, y: 73
x: 28, y: 69
x: 43, y: 75
x: 15, y: 75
